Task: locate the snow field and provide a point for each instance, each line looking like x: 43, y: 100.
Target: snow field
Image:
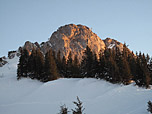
x: 99, y: 97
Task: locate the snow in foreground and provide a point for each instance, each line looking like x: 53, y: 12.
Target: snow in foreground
x: 99, y: 97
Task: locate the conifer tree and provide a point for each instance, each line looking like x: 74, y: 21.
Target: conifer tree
x: 39, y: 67
x: 87, y: 63
x: 69, y: 66
x: 150, y: 107
x: 63, y: 110
x: 143, y: 73
x: 32, y: 64
x: 132, y: 64
x: 22, y: 70
x: 126, y: 73
x: 20, y: 67
x: 79, y: 109
x: 51, y: 72
x: 124, y: 66
x: 59, y: 62
x: 111, y: 69
x: 146, y: 72
x: 76, y: 68
x: 150, y: 69
x: 102, y: 67
x: 64, y: 67
x: 95, y: 67
x: 138, y: 77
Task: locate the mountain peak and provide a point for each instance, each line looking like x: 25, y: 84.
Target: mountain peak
x: 74, y: 38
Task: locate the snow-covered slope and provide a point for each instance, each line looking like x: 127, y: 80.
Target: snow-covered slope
x: 99, y: 97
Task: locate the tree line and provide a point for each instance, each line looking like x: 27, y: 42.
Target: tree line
x: 112, y: 65
x: 36, y: 66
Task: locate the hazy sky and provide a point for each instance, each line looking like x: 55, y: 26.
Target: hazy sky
x: 127, y: 21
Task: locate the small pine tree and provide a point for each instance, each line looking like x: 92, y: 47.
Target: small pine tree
x: 63, y: 110
x: 150, y: 107
x: 79, y: 109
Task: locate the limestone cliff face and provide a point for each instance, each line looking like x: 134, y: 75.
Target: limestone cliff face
x: 74, y: 38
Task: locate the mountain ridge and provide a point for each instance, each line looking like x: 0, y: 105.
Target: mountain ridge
x: 74, y: 38
x: 71, y: 38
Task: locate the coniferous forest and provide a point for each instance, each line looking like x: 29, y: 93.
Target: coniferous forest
x: 112, y: 65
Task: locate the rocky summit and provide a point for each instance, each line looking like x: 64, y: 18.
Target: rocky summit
x: 74, y: 38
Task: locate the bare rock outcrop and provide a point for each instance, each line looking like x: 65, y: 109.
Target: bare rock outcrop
x: 111, y: 43
x: 74, y: 38
x: 2, y: 61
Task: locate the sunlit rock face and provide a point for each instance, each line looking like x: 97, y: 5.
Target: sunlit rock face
x: 111, y: 43
x: 74, y: 38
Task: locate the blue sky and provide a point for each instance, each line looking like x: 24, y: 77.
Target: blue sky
x: 127, y: 21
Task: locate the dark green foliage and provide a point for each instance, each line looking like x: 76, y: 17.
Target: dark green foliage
x: 63, y: 70
x: 36, y: 64
x: 102, y: 68
x: 72, y: 67
x: 79, y: 108
x: 69, y: 66
x: 95, y: 67
x: 143, y: 73
x: 87, y: 63
x: 39, y: 67
x: 132, y: 64
x: 50, y: 67
x: 150, y: 107
x: 63, y: 110
x: 22, y: 70
x: 59, y: 63
x: 150, y: 69
x: 126, y: 73
x: 113, y: 65
x: 111, y: 70
x: 33, y: 66
x: 76, y: 68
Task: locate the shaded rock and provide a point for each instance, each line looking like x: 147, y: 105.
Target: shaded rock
x: 2, y: 61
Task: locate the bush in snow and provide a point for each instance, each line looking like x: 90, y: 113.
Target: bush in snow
x: 63, y: 110
x: 150, y: 107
